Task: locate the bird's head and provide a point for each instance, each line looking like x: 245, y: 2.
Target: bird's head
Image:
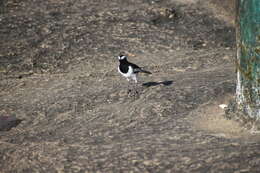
x: 122, y: 57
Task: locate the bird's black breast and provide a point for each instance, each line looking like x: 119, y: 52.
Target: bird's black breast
x: 123, y: 68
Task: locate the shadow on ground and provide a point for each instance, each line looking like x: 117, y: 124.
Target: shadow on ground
x: 165, y: 83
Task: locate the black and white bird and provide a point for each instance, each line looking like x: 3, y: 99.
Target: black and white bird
x: 128, y: 69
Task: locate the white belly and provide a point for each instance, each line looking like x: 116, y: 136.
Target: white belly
x: 129, y: 74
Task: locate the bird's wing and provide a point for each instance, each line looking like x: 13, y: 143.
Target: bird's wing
x: 136, y: 68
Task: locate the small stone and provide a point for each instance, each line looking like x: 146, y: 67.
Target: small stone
x: 222, y: 106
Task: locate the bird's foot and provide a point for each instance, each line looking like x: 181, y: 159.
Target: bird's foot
x: 133, y: 93
x: 129, y: 91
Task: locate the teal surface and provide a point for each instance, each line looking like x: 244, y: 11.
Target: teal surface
x: 249, y: 21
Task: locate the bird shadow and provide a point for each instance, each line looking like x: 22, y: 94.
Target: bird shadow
x: 165, y: 83
x: 8, y: 122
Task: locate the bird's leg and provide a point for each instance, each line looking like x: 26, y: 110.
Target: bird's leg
x: 128, y: 86
x: 135, y: 87
x: 131, y: 89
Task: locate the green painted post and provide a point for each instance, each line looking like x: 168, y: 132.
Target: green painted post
x: 248, y: 57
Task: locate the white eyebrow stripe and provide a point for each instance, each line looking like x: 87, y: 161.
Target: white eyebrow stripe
x: 121, y: 57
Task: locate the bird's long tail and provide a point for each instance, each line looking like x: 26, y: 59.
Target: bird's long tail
x: 145, y: 71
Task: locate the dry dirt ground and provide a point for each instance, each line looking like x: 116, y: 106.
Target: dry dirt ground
x: 58, y: 73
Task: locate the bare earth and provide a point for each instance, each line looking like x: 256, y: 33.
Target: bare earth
x: 58, y: 73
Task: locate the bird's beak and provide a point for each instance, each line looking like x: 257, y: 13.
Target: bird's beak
x: 130, y: 54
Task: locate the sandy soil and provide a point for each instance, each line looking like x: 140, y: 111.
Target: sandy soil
x: 58, y: 72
